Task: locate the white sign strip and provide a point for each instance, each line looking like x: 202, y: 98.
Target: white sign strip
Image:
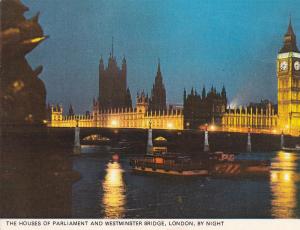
x: 148, y: 224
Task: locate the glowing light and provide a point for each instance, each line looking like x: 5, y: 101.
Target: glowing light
x: 170, y: 125
x: 283, y: 185
x: 274, y: 177
x: 287, y: 126
x: 29, y: 118
x: 18, y: 85
x: 45, y: 121
x: 287, y: 176
x: 274, y: 131
x: 160, y: 139
x: 285, y: 156
x: 234, y: 103
x: 34, y: 40
x: 212, y: 127
x: 114, y: 123
x: 114, y: 191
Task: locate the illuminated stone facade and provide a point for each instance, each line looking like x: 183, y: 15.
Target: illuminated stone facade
x: 256, y: 118
x: 288, y: 78
x: 205, y: 108
x: 139, y: 117
x: 287, y: 119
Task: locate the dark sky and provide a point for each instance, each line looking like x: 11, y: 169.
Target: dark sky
x: 234, y: 43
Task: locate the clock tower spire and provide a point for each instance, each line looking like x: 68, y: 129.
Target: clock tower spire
x: 288, y: 79
x: 289, y: 40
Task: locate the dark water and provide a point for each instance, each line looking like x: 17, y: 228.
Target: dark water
x: 44, y: 182
x: 109, y: 189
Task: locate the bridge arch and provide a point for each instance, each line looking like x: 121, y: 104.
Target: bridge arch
x: 95, y: 139
x: 160, y: 139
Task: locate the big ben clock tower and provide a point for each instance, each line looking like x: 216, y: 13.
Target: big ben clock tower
x: 288, y: 76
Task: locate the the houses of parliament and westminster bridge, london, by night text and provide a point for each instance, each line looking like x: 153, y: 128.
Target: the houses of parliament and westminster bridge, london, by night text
x: 114, y: 108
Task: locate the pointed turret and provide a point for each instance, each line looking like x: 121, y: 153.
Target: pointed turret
x: 290, y: 43
x: 128, y: 102
x: 212, y: 89
x: 192, y: 91
x: 223, y: 93
x: 101, y: 64
x: 124, y: 61
x: 158, y: 75
x: 203, y: 93
x: 71, y: 111
x: 158, y: 92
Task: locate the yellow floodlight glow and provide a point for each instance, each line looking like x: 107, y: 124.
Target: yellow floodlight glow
x: 274, y: 176
x: 34, y: 40
x: 287, y: 176
x: 170, y: 125
x: 114, y: 123
x: 212, y: 127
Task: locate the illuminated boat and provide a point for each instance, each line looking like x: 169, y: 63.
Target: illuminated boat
x: 226, y: 164
x: 168, y: 164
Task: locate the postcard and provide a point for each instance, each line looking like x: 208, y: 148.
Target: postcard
x: 174, y: 114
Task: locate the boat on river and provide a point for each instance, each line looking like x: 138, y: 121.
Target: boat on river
x: 159, y: 161
x: 216, y: 164
x: 227, y: 164
x: 170, y: 164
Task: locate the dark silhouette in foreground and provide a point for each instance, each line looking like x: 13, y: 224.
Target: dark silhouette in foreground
x: 22, y: 94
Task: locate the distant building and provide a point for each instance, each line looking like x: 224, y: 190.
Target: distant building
x: 113, y: 91
x: 157, y: 101
x: 205, y: 108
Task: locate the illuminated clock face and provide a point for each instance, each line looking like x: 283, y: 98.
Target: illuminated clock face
x: 283, y: 65
x: 297, y: 65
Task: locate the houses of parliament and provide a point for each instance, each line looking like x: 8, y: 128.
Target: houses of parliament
x: 114, y: 107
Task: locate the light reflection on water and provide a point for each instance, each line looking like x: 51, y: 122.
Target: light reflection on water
x: 114, y: 199
x: 119, y: 193
x: 283, y: 185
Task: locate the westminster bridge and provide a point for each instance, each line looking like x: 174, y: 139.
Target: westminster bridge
x: 176, y: 140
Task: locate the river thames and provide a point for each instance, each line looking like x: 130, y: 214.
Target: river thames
x: 109, y: 189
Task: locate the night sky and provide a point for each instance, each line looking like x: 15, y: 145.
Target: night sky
x: 234, y: 43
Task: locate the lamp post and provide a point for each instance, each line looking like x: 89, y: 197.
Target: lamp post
x: 282, y: 140
x: 150, y: 143
x: 249, y: 141
x: 77, y: 146
x: 290, y: 122
x: 206, y: 144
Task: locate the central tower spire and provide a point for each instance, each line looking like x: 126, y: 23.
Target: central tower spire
x: 158, y: 93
